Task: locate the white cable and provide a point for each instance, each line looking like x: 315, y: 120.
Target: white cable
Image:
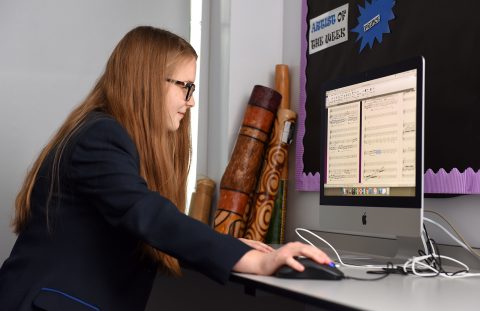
x: 417, y: 261
x: 422, y: 236
x: 412, y: 263
x: 336, y: 253
x: 432, y: 247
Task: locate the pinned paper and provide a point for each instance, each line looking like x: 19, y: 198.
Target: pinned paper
x: 328, y: 29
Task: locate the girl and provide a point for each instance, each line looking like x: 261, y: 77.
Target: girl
x: 101, y: 208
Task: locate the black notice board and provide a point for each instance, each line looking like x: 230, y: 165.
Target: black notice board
x: 447, y: 34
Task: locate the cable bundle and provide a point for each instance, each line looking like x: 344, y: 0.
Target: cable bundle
x: 428, y: 264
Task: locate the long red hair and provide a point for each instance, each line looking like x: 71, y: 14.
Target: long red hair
x: 132, y: 89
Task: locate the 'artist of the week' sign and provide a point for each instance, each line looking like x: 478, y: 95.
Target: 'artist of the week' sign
x: 328, y: 29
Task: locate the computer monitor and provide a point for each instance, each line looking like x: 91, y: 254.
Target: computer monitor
x: 372, y: 155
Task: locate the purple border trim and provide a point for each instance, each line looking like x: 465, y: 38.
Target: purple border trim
x: 303, y: 182
x: 454, y: 182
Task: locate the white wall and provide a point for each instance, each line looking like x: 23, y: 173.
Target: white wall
x: 51, y: 53
x: 245, y: 45
x: 247, y: 39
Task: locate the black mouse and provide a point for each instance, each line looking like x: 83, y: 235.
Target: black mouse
x: 313, y: 270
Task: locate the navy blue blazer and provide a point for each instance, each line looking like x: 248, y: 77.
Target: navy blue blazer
x: 88, y: 258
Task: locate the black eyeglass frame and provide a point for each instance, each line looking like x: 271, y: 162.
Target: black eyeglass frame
x: 189, y: 86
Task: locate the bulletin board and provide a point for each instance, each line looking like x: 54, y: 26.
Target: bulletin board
x: 343, y: 38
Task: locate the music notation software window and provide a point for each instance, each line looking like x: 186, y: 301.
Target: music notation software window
x: 371, y: 137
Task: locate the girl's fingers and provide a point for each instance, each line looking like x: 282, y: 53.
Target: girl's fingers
x: 301, y: 249
x: 316, y: 255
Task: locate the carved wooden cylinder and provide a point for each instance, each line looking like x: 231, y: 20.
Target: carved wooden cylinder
x: 269, y: 182
x: 240, y: 177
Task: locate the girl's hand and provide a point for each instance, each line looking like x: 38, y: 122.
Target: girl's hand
x: 257, y: 262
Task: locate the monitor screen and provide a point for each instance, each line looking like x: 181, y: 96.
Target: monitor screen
x: 372, y: 151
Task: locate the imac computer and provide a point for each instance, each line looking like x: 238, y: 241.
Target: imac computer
x: 372, y: 157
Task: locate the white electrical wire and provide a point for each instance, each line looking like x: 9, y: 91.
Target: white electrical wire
x: 422, y: 236
x: 335, y: 251
x: 412, y: 263
x: 418, y: 261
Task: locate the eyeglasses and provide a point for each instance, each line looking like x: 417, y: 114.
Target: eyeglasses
x: 189, y: 86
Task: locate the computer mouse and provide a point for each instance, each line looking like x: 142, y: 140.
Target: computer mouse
x: 313, y: 270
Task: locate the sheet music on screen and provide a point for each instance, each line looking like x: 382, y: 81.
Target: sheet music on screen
x: 371, y: 137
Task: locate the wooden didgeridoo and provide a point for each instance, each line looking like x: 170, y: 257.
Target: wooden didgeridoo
x: 240, y: 176
x: 276, y: 229
x: 282, y: 85
x: 268, y: 184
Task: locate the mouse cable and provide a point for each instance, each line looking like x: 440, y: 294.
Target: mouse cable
x: 384, y: 275
x: 386, y: 271
x: 298, y: 230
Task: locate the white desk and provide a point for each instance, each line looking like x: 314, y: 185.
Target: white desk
x: 395, y: 292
